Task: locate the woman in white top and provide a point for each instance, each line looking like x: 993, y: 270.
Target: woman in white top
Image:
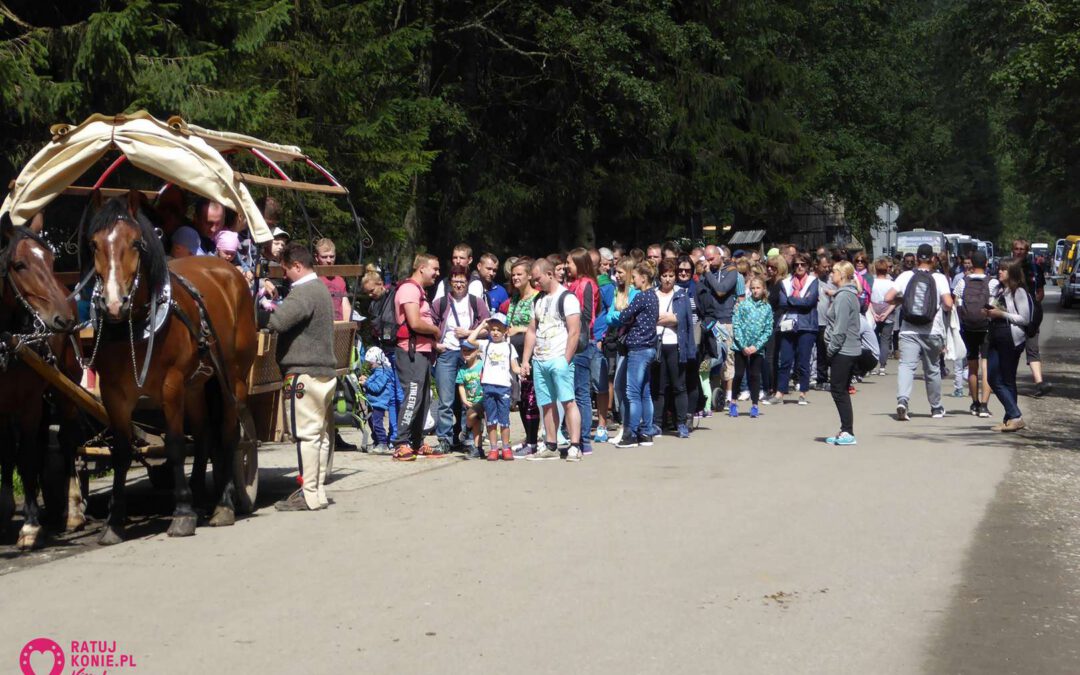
x: 1010, y: 313
x: 884, y: 312
x: 669, y: 372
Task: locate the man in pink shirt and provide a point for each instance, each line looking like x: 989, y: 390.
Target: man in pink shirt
x: 416, y: 337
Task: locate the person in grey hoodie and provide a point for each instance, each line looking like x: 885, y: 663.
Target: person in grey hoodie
x: 843, y: 347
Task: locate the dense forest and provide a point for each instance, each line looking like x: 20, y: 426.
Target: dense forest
x: 531, y: 123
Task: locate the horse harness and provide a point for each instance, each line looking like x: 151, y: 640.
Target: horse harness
x: 38, y: 336
x: 161, y: 305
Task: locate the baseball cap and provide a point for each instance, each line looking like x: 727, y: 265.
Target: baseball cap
x: 280, y: 233
x: 772, y: 251
x: 925, y: 252
x: 498, y: 317
x: 189, y: 239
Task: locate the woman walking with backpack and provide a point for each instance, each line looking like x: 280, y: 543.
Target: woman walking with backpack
x: 1009, y: 315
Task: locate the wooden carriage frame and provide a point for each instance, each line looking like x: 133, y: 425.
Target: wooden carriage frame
x: 194, y: 159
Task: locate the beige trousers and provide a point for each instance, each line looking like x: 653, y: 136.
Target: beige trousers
x: 310, y: 420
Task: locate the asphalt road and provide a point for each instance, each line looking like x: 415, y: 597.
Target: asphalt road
x: 753, y: 547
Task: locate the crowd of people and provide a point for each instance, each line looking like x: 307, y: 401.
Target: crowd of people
x: 661, y: 338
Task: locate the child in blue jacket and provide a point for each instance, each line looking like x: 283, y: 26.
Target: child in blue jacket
x: 384, y: 394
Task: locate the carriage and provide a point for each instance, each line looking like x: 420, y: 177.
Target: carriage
x: 200, y: 162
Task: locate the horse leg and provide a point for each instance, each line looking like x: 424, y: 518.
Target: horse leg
x: 225, y: 511
x: 30, y: 472
x: 183, y: 518
x: 7, y: 475
x: 120, y: 422
x: 195, y: 406
x: 74, y: 511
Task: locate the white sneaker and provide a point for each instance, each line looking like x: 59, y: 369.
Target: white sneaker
x: 573, y: 454
x: 745, y: 396
x: 616, y: 439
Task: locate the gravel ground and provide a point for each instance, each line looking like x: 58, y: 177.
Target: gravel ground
x: 1018, y: 608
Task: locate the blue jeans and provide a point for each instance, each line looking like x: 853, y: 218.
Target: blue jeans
x: 795, y: 348
x: 446, y: 370
x: 1001, y: 363
x: 620, y: 389
x: 639, y: 420
x: 583, y: 392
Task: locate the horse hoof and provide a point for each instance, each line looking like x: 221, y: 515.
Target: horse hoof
x: 75, y: 523
x: 182, y: 526
x: 223, y: 517
x: 28, y: 537
x: 111, y: 536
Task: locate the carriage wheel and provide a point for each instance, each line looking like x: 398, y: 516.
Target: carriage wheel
x: 246, y: 465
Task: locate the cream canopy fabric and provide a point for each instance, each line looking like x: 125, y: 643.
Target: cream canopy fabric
x: 173, y: 153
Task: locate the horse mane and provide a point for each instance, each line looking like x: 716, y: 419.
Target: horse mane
x: 154, y: 260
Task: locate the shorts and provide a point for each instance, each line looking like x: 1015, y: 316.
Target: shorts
x: 611, y: 356
x: 497, y: 405
x: 976, y: 342
x: 553, y: 381
x: 598, y: 372
x: 1032, y: 349
x: 477, y: 408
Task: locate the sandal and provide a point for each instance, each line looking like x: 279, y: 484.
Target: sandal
x: 404, y: 454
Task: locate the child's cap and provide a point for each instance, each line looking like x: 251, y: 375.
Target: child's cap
x: 374, y: 355
x: 498, y: 317
x: 227, y: 240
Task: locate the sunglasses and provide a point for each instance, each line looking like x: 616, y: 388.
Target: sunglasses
x: 685, y: 270
x: 800, y: 264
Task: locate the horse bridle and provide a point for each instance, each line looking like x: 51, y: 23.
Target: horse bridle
x: 98, y: 300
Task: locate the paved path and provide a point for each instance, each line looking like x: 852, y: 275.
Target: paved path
x: 753, y: 547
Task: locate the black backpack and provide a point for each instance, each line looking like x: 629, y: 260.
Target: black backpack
x: 920, y: 299
x: 384, y: 325
x: 975, y: 297
x: 1032, y: 329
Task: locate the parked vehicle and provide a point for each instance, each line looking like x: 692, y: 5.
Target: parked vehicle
x: 1070, y: 276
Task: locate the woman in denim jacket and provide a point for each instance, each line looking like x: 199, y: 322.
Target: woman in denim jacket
x: 798, y: 327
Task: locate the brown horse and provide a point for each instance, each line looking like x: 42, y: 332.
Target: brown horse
x: 31, y: 303
x: 198, y: 362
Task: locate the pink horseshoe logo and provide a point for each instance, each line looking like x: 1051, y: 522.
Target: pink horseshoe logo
x: 42, y: 645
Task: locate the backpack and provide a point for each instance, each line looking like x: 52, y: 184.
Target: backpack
x: 976, y: 295
x: 443, y: 305
x: 384, y: 325
x: 920, y: 299
x: 1032, y: 329
x: 560, y: 309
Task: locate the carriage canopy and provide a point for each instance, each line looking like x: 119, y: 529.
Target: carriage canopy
x: 187, y: 156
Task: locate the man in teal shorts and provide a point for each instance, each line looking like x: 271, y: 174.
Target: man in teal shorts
x: 549, y: 355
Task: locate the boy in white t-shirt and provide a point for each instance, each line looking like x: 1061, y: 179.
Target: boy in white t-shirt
x: 496, y: 379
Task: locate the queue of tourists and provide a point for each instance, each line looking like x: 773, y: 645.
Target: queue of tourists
x: 659, y: 339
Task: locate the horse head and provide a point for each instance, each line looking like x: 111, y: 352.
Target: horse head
x: 129, y: 259
x: 26, y: 265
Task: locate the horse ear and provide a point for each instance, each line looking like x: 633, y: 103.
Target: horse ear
x: 135, y: 200
x: 7, y: 228
x: 37, y: 223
